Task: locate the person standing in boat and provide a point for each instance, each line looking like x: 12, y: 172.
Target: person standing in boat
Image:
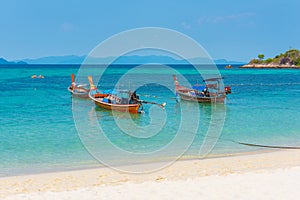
x: 205, y: 92
x: 134, y: 98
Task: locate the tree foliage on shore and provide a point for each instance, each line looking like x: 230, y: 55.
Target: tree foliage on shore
x: 290, y: 57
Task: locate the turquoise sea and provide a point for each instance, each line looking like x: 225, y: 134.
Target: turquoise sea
x: 38, y: 132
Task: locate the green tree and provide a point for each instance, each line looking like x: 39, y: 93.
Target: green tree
x: 261, y: 56
x: 269, y: 60
x: 297, y: 61
x: 254, y: 61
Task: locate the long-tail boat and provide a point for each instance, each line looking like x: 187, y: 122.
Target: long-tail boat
x: 210, y: 93
x: 78, y: 90
x: 122, y: 100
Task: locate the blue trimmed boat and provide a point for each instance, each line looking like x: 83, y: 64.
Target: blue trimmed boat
x: 210, y: 93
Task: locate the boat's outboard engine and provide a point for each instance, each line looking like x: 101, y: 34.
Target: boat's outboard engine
x: 227, y: 89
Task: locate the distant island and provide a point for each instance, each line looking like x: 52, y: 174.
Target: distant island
x: 289, y: 59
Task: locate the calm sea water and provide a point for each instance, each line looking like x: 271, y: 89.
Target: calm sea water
x: 38, y: 133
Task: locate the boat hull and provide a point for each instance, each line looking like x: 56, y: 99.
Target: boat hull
x: 214, y: 99
x: 84, y: 94
x: 131, y: 108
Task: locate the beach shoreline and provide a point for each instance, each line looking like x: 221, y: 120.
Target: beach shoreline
x: 98, y: 165
x: 265, y: 163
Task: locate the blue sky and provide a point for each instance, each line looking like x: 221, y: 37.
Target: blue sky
x: 234, y: 30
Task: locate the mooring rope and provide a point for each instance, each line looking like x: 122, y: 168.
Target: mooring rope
x: 255, y: 145
x: 268, y: 146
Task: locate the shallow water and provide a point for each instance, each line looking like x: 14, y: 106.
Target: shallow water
x: 38, y: 132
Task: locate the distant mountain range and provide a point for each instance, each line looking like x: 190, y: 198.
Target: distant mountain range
x: 5, y: 62
x: 72, y: 59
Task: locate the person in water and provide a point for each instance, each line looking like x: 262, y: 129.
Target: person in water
x: 39, y: 76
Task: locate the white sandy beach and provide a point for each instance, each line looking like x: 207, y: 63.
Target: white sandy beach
x: 270, y: 175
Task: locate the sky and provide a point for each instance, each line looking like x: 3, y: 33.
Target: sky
x: 233, y: 29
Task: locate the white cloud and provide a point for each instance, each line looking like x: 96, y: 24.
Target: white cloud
x: 225, y: 19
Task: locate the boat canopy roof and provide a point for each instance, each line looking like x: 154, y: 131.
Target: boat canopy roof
x: 119, y: 93
x: 109, y: 91
x: 213, y: 79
